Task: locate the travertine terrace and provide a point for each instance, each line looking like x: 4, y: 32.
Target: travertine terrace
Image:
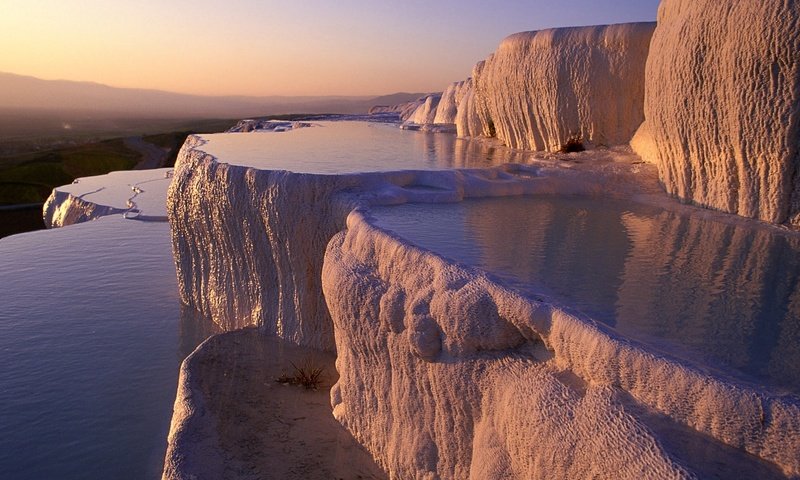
x: 722, y: 106
x: 445, y: 373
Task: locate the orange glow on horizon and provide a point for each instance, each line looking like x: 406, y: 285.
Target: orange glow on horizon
x: 248, y: 47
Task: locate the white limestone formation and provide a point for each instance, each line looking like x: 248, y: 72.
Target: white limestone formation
x: 138, y: 194
x: 447, y: 345
x: 243, y: 258
x: 722, y: 107
x: 541, y: 89
x: 425, y: 113
x: 405, y: 110
x: 446, y: 374
x: 192, y: 428
x: 447, y: 110
x: 249, y: 125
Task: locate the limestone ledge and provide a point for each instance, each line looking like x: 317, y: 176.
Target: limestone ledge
x: 135, y: 194
x: 249, y: 243
x: 63, y: 208
x: 446, y: 373
x: 453, y: 351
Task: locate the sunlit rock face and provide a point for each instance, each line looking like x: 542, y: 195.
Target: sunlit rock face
x: 404, y: 110
x: 446, y: 374
x: 468, y: 122
x: 722, y: 106
x: 443, y: 375
x: 62, y: 209
x: 543, y: 88
x: 447, y: 110
x: 247, y: 245
x: 425, y: 113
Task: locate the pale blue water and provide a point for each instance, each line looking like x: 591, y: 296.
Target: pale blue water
x: 89, y: 351
x: 724, y: 296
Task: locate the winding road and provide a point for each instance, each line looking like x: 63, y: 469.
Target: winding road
x: 152, y: 155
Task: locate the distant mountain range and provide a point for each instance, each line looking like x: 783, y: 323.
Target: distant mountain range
x: 18, y: 92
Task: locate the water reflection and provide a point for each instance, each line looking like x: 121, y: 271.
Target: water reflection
x: 89, y: 350
x: 738, y: 291
x: 721, y: 294
x: 328, y: 148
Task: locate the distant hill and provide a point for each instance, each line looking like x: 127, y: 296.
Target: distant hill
x: 18, y: 92
x: 396, y: 98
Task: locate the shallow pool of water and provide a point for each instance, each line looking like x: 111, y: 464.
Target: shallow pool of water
x: 90, y: 345
x: 724, y: 295
x: 348, y: 147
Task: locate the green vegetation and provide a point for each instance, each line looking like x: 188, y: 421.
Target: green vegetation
x: 29, y: 171
x: 31, y: 178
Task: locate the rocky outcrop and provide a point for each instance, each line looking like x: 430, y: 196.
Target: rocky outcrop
x: 447, y: 110
x: 722, y: 106
x: 249, y: 243
x: 444, y: 373
x: 425, y: 113
x: 136, y: 194
x: 541, y: 89
x: 403, y: 110
x: 240, y: 260
x: 468, y: 122
x: 406, y: 110
x: 447, y: 346
x: 63, y: 208
x: 249, y: 125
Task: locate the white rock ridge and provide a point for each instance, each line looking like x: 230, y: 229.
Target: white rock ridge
x: 406, y: 110
x: 447, y: 110
x: 425, y: 113
x: 446, y: 345
x: 242, y: 256
x: 540, y: 89
x: 446, y: 374
x: 722, y: 106
x: 403, y: 110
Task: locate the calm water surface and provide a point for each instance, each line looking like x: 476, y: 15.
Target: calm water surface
x: 727, y: 296
x: 89, y: 350
x: 347, y: 147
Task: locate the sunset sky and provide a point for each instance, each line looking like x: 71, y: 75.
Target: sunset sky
x: 250, y: 47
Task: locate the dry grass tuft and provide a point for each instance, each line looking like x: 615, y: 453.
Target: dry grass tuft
x: 308, y: 375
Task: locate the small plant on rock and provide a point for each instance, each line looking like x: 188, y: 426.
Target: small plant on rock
x: 308, y: 375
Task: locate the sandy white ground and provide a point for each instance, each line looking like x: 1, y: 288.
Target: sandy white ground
x: 244, y: 424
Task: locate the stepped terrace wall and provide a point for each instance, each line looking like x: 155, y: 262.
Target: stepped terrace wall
x: 722, y: 106
x: 540, y: 89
